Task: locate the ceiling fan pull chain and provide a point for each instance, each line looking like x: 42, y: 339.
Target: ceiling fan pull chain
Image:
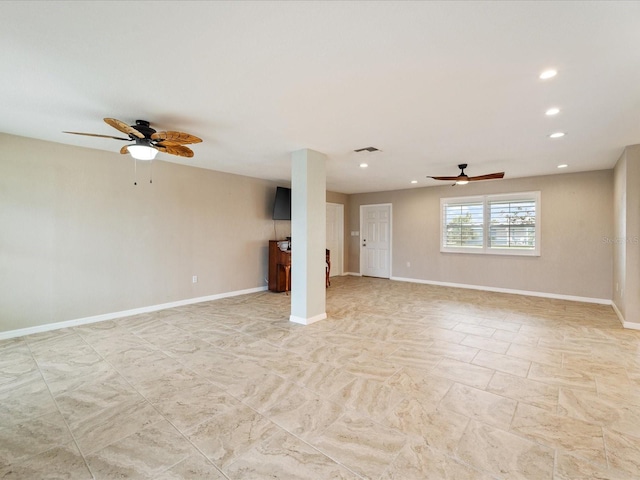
x: 135, y: 172
x: 151, y: 172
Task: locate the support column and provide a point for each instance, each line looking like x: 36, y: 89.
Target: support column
x: 308, y: 236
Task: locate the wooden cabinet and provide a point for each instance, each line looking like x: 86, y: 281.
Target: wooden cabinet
x: 279, y: 268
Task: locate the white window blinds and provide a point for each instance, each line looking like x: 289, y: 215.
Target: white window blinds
x: 497, y: 224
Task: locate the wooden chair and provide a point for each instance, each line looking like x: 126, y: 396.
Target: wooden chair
x: 328, y: 269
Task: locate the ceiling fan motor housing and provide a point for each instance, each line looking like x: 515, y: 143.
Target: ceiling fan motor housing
x: 143, y: 127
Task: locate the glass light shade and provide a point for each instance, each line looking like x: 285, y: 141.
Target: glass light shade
x: 142, y: 152
x: 547, y: 74
x: 462, y: 182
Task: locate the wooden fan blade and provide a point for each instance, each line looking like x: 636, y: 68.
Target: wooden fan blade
x: 123, y: 127
x: 180, y: 138
x: 167, y: 143
x: 97, y: 135
x: 124, y: 150
x: 489, y: 176
x: 448, y: 179
x: 179, y: 150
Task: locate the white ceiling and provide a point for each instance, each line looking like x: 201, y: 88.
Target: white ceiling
x: 430, y: 84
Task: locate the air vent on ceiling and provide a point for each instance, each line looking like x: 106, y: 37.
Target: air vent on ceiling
x: 367, y: 149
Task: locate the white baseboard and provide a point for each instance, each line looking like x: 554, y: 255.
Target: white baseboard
x: 354, y: 274
x: 124, y: 313
x: 625, y: 324
x: 573, y: 298
x: 307, y: 321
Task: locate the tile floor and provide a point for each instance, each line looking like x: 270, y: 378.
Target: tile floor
x: 404, y: 381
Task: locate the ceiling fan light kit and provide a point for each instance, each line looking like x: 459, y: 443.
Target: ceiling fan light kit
x: 142, y: 152
x: 148, y: 142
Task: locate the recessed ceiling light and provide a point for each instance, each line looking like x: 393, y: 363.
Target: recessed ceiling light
x: 414, y: 181
x: 552, y: 111
x: 364, y: 165
x: 557, y: 135
x: 563, y: 165
x: 547, y: 74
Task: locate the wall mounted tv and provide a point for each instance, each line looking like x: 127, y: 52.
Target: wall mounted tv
x: 282, y: 204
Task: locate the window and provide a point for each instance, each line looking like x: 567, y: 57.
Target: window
x: 499, y: 224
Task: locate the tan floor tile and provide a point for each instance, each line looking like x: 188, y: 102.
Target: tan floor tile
x: 225, y: 437
x: 432, y: 333
x: 462, y: 372
x: 571, y: 467
x: 63, y: 461
x: 369, y: 397
x: 305, y: 415
x: 360, y: 445
x: 191, y: 406
x: 557, y: 431
x: 29, y: 398
x: 524, y: 339
x: 479, y: 330
x: 526, y: 391
x: 366, y: 367
x: 96, y: 432
x: 439, y: 428
x: 566, y: 377
x: 623, y: 452
x: 414, y: 357
x: 285, y: 456
x: 323, y: 379
x: 452, y: 350
x: 145, y: 454
x: 504, y: 454
x: 489, y: 344
x: 479, y: 405
x: 421, y: 461
x: 501, y: 325
x: 502, y: 363
x: 112, y: 385
x: 535, y: 354
x: 21, y: 441
x: 194, y: 467
x: 417, y: 384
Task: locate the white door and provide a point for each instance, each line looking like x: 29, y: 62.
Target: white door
x: 375, y: 240
x: 335, y: 236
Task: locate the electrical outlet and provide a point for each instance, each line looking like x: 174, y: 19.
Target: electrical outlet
x: 409, y: 264
x: 194, y: 279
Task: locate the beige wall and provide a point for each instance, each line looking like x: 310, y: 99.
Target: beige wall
x: 576, y: 213
x: 78, y: 239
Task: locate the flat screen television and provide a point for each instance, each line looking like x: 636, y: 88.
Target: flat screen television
x: 282, y: 204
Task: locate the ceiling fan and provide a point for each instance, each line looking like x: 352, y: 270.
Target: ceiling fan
x: 463, y: 178
x: 148, y: 142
